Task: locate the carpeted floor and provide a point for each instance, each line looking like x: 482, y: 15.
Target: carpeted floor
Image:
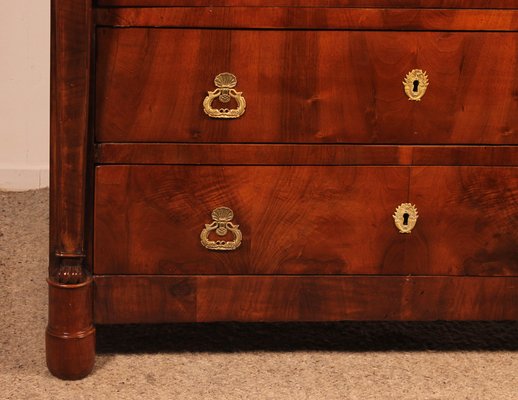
x: 238, y: 361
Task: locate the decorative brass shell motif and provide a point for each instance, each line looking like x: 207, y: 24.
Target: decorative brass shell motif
x: 415, y: 84
x: 221, y: 225
x: 225, y: 82
x: 405, y: 217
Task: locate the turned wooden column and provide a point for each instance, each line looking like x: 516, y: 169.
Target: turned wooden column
x: 70, y: 337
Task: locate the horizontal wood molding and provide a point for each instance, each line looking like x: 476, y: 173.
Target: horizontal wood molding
x: 150, y: 299
x: 311, y: 18
x: 315, y: 3
x: 303, y: 154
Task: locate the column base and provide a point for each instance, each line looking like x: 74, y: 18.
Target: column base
x: 70, y: 336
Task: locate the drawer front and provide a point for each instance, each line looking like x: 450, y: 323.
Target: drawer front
x: 293, y: 220
x: 306, y: 220
x: 307, y: 86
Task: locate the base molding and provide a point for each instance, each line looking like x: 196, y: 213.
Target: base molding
x: 160, y: 299
x: 19, y: 179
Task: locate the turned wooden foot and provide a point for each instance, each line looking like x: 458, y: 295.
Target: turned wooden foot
x: 70, y: 336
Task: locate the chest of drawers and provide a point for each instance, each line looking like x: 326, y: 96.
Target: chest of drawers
x: 280, y: 160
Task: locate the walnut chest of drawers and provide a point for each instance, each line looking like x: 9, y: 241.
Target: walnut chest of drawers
x: 280, y: 160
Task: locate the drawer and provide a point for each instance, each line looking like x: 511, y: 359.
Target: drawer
x: 306, y: 86
x: 305, y: 220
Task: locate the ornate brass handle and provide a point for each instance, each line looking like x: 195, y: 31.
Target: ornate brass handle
x: 221, y: 224
x: 225, y: 92
x: 405, y: 217
x: 415, y: 84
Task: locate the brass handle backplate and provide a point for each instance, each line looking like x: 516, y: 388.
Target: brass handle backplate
x: 221, y: 225
x: 405, y: 217
x: 225, y: 92
x: 415, y: 84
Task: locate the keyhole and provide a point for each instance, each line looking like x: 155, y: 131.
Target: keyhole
x: 405, y: 218
x: 416, y: 85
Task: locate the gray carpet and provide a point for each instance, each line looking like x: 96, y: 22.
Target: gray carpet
x: 346, y: 360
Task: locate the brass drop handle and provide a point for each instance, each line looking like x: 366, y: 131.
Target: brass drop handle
x: 225, y: 92
x: 405, y: 217
x: 415, y: 84
x: 221, y: 225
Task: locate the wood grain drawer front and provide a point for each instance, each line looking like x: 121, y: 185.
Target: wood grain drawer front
x: 293, y: 220
x: 307, y: 86
x: 468, y: 221
x: 307, y: 220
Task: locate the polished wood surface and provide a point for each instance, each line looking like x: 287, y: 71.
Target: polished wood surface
x: 328, y: 147
x: 307, y: 220
x: 317, y: 3
x: 144, y: 299
x: 303, y: 154
x: 70, y: 335
x: 294, y: 220
x: 312, y: 18
x: 70, y: 67
x: 307, y: 86
x: 153, y: 299
x: 468, y: 221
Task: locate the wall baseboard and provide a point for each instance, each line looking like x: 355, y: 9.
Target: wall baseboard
x: 18, y: 179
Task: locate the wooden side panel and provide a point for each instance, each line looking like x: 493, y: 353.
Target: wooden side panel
x: 131, y: 299
x: 294, y: 220
x: 307, y: 86
x: 468, y: 219
x: 316, y: 3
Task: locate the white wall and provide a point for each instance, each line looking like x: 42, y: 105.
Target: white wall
x: 24, y: 94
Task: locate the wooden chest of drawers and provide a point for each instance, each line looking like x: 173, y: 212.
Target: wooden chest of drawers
x: 280, y: 160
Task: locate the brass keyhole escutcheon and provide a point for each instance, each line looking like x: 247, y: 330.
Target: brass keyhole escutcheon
x: 415, y: 84
x: 225, y: 92
x: 222, y: 224
x: 405, y: 217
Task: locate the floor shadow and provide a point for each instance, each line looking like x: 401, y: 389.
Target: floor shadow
x: 329, y: 336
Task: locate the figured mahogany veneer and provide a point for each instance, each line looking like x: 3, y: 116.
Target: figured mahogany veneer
x: 415, y: 19
x: 307, y: 86
x: 307, y: 220
x: 153, y: 299
x: 294, y: 220
x: 303, y: 154
x: 317, y: 3
x: 328, y: 147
